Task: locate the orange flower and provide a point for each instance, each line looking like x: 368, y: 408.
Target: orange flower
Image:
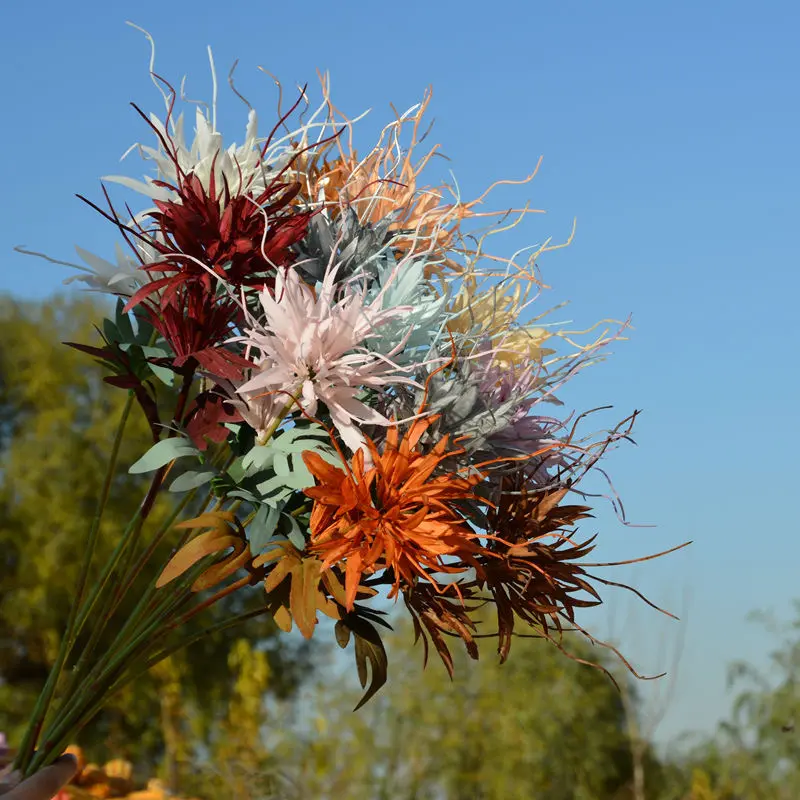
x: 387, y: 180
x: 392, y: 515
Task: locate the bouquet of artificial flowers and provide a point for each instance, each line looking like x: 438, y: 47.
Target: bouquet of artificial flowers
x: 346, y: 391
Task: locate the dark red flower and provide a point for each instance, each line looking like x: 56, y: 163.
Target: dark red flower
x: 193, y: 322
x: 207, y: 234
x: 207, y: 417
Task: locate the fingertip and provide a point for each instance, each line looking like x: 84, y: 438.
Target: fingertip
x: 66, y: 765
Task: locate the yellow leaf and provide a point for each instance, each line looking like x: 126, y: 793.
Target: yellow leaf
x: 328, y: 607
x: 334, y: 586
x: 279, y: 572
x: 280, y: 550
x: 211, y: 519
x: 192, y: 552
x: 304, y: 591
x: 218, y: 572
x: 283, y: 619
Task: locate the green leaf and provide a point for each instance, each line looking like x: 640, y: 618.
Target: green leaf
x: 258, y: 459
x: 260, y: 530
x: 110, y: 331
x: 280, y: 485
x: 191, y: 479
x: 342, y: 634
x: 289, y: 527
x: 281, y: 464
x: 161, y: 453
x: 165, y: 375
x: 236, y: 471
x: 144, y: 329
x: 370, y: 656
x: 278, y: 468
x: 243, y: 494
x: 123, y: 322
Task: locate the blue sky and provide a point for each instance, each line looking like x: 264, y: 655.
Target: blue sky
x: 669, y: 130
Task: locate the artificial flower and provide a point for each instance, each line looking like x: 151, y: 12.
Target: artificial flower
x: 308, y: 349
x: 395, y: 515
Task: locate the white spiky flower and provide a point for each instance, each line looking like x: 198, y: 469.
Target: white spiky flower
x: 310, y: 345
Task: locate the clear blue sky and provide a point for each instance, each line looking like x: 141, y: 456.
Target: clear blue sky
x: 669, y: 129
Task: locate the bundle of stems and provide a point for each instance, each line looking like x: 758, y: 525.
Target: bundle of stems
x: 83, y: 678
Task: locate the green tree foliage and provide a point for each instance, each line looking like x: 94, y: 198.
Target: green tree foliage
x: 57, y: 420
x: 540, y: 726
x: 755, y: 755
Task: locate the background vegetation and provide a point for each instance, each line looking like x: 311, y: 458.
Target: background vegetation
x: 252, y: 715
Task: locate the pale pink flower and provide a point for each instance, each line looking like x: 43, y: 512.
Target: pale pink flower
x: 310, y: 346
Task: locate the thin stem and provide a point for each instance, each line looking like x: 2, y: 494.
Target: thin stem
x: 125, y: 680
x: 127, y: 546
x: 130, y: 534
x: 130, y: 578
x: 183, y: 396
x: 68, y: 641
x: 228, y: 590
x: 162, y: 532
x: 132, y: 530
x: 138, y: 632
x: 189, y: 640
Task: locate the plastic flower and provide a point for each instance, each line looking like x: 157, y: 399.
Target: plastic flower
x: 393, y: 515
x: 342, y: 239
x: 192, y: 324
x: 309, y: 346
x: 484, y: 407
x: 239, y: 167
x: 387, y: 182
x: 494, y: 313
x: 210, y: 234
x: 122, y: 278
x: 511, y: 394
x: 403, y: 285
x: 219, y: 213
x: 534, y: 574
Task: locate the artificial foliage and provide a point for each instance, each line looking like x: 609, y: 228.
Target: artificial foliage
x: 352, y: 394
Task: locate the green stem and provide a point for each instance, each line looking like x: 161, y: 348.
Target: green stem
x: 68, y: 641
x: 144, y: 628
x: 189, y: 640
x: 130, y: 535
x: 142, y: 633
x: 124, y: 552
x: 132, y: 531
x: 133, y: 574
x: 278, y: 420
x: 138, y: 631
x: 125, y: 680
x: 159, y: 536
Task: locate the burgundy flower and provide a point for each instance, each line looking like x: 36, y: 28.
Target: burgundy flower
x: 207, y: 417
x: 193, y: 322
x: 207, y: 235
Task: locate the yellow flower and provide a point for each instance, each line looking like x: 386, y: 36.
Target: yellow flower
x: 492, y: 315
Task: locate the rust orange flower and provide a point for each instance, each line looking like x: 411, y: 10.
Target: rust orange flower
x: 388, y: 180
x: 393, y: 515
x: 532, y: 569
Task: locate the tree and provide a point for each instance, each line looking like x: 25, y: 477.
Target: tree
x: 57, y: 418
x: 756, y: 753
x: 541, y: 726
